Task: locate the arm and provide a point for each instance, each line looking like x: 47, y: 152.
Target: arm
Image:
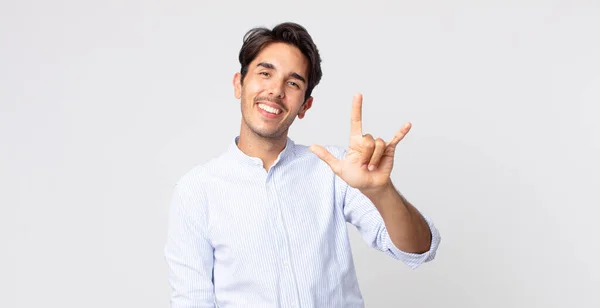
x: 361, y: 212
x: 384, y: 218
x: 189, y: 254
x: 408, y: 230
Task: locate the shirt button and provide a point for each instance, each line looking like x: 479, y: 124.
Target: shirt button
x: 285, y: 263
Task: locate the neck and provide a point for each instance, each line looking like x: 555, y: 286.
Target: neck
x: 267, y: 149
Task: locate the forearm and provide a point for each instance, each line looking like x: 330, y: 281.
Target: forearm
x: 408, y: 230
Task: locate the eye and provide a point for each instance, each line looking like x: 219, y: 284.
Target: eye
x: 293, y: 84
x: 266, y: 74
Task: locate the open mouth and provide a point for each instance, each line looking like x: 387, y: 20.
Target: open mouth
x: 269, y: 110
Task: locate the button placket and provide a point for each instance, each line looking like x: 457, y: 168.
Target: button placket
x: 288, y: 280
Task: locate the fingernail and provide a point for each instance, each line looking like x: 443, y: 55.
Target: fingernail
x: 371, y: 167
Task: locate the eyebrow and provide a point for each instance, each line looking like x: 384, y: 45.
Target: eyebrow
x: 272, y: 67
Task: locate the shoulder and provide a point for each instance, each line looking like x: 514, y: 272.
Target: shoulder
x: 199, y: 176
x: 303, y: 151
x: 312, y: 164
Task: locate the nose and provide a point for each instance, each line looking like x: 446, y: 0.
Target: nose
x: 277, y: 89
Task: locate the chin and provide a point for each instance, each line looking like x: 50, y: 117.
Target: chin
x: 268, y: 133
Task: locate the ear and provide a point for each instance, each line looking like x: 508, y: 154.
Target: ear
x: 237, y: 85
x: 307, y: 104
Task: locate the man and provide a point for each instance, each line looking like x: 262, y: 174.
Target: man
x: 264, y: 224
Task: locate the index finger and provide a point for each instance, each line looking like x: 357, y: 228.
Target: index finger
x: 356, y: 116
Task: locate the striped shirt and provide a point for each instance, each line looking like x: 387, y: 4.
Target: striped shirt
x: 241, y: 236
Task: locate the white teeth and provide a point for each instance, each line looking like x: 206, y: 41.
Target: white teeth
x: 269, y: 109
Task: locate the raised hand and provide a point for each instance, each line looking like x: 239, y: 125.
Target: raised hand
x: 368, y: 162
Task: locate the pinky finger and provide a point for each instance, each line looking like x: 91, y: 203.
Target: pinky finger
x: 400, y: 135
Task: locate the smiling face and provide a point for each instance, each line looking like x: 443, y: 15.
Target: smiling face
x: 272, y: 92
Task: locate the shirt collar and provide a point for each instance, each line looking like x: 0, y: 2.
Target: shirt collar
x: 234, y: 150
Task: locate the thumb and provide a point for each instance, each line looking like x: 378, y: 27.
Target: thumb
x: 327, y: 157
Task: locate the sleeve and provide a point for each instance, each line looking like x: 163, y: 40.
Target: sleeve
x: 189, y: 253
x: 362, y: 213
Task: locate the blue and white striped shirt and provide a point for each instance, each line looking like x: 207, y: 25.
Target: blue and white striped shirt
x: 240, y: 236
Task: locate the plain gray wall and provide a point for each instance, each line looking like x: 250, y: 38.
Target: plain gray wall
x: 105, y: 104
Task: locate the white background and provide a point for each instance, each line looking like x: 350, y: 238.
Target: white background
x: 105, y: 104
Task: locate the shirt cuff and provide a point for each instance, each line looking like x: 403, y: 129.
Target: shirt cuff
x: 414, y: 260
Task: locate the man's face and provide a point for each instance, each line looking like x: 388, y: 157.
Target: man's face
x: 272, y: 93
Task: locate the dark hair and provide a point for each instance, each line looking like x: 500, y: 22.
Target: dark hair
x: 291, y: 33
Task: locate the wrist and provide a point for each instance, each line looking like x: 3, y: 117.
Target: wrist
x: 379, y: 191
